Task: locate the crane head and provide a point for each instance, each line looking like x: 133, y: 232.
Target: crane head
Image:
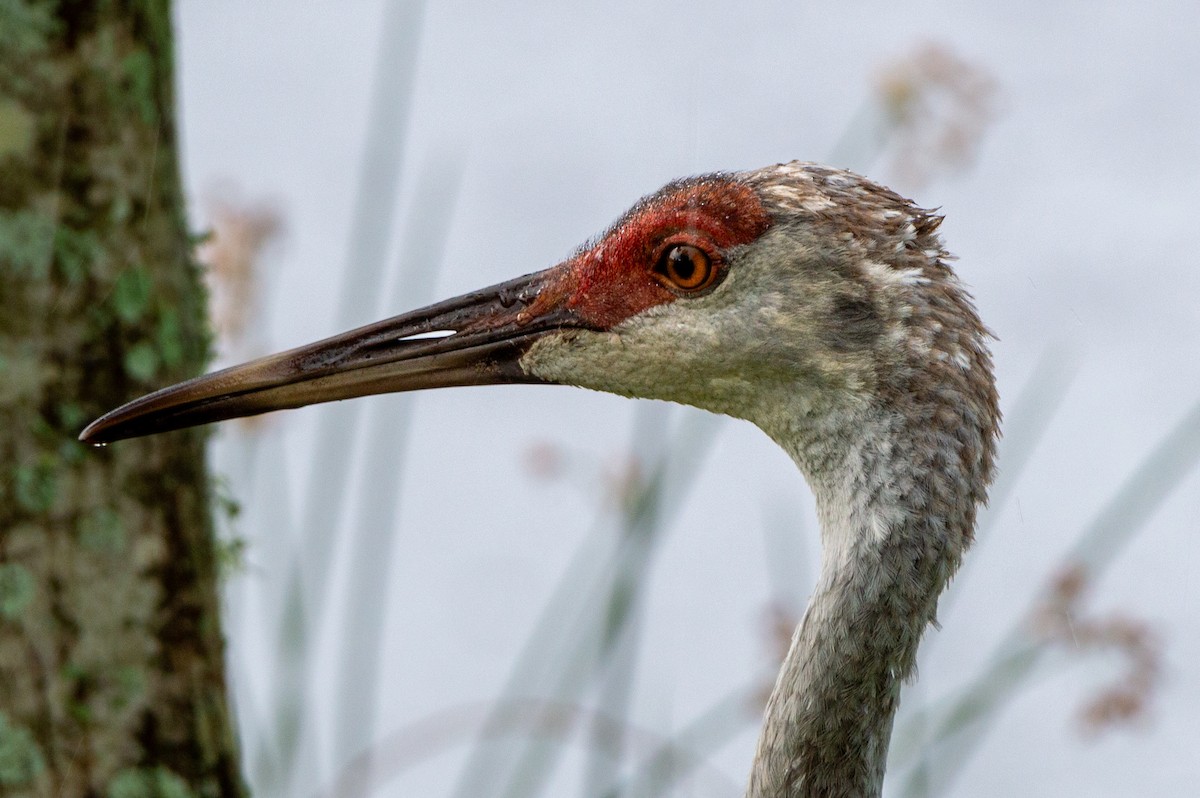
x: 719, y: 291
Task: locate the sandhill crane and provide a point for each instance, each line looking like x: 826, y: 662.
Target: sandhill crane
x: 807, y: 300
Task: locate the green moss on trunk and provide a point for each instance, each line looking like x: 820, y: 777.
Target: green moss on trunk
x: 111, y: 666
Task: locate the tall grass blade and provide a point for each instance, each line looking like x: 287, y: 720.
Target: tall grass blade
x: 373, y: 536
x: 370, y: 232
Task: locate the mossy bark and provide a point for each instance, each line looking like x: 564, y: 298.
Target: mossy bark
x: 111, y: 657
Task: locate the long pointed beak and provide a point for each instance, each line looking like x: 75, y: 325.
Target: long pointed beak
x: 474, y: 339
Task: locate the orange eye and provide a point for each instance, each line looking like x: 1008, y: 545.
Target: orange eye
x: 686, y: 267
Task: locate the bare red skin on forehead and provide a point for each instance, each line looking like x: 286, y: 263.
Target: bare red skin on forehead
x: 614, y: 279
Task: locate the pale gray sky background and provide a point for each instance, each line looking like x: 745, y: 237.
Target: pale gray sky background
x: 1076, y: 227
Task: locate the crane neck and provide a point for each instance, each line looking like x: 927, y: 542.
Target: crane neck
x: 896, y: 502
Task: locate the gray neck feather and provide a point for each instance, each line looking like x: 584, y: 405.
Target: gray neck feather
x: 896, y: 502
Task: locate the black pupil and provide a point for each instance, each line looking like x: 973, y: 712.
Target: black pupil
x: 683, y: 265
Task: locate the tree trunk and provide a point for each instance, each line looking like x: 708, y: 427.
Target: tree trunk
x: 111, y: 663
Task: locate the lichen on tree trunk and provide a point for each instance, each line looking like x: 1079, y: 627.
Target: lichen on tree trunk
x: 111, y: 656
